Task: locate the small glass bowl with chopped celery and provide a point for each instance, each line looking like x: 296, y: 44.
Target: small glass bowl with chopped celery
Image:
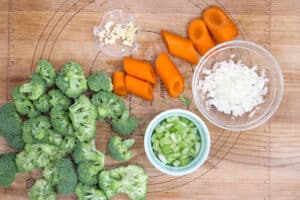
x: 177, y: 142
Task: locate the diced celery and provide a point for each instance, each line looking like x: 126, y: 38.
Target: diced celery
x: 179, y: 127
x: 173, y: 137
x: 169, y: 125
x: 176, y: 141
x: 185, y: 161
x: 185, y: 120
x: 162, y: 158
x: 197, y: 147
x: 176, y: 163
x: 172, y: 119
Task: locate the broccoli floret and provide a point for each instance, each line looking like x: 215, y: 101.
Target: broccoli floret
x: 57, y: 98
x: 66, y: 175
x: 125, y: 124
x: 36, y: 129
x: 50, y: 175
x: 35, y: 88
x: 37, y: 156
x: 119, y: 149
x: 46, y: 71
x: 23, y: 105
x: 130, y: 180
x: 86, y: 132
x: 42, y: 190
x: 68, y: 144
x: 8, y: 169
x: 108, y: 105
x: 88, y: 172
x: 10, y: 126
x: 42, y: 103
x: 99, y: 81
x: 88, y: 152
x: 54, y: 139
x: 87, y: 192
x: 24, y: 161
x: 83, y: 115
x: 71, y: 80
x: 60, y: 121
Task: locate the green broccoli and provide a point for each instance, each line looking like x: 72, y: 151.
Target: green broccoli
x: 87, y: 192
x: 57, y: 98
x: 66, y: 176
x: 42, y: 103
x: 83, y: 115
x: 10, y: 125
x: 99, y: 81
x: 50, y: 175
x: 88, y: 152
x: 46, y: 71
x: 125, y: 124
x: 23, y: 105
x: 130, y: 180
x: 35, y: 88
x: 71, y: 80
x: 119, y: 149
x: 37, y: 156
x: 60, y: 121
x: 24, y: 161
x: 68, y: 144
x: 42, y: 190
x: 108, y: 105
x: 88, y: 172
x: 8, y: 169
x: 36, y: 129
x: 54, y: 138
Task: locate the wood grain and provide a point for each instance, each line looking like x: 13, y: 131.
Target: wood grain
x: 260, y: 164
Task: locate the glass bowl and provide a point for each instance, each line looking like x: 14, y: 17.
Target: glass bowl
x: 250, y: 54
x: 118, y: 49
x: 198, y: 160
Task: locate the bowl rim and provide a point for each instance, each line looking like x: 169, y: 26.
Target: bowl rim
x: 279, y: 86
x: 198, y: 161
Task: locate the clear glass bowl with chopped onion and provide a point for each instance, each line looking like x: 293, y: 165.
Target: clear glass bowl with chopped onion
x: 225, y: 102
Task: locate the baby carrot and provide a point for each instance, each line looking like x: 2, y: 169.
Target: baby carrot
x: 139, y: 69
x: 169, y: 74
x: 219, y: 24
x: 118, y: 80
x: 199, y: 35
x: 180, y: 47
x: 139, y: 88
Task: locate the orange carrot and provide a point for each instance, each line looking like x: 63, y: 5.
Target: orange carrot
x: 139, y: 88
x: 199, y: 35
x: 139, y: 69
x: 219, y: 24
x: 180, y: 47
x: 118, y: 80
x: 169, y: 75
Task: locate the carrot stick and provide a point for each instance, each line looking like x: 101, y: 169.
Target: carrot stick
x: 139, y: 88
x: 219, y: 24
x: 118, y: 80
x: 199, y: 35
x: 169, y: 74
x: 139, y: 69
x: 180, y: 47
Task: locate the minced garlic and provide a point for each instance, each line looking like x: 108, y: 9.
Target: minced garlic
x: 112, y: 32
x: 233, y: 87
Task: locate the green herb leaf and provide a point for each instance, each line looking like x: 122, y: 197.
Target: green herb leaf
x: 165, y: 101
x: 185, y: 101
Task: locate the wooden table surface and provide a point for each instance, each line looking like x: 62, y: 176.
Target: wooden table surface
x: 260, y: 164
